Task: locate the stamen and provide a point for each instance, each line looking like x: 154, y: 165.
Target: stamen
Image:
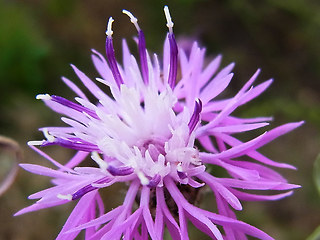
x: 143, y: 179
x: 88, y: 188
x: 182, y: 175
x: 67, y: 103
x: 73, y: 144
x: 109, y: 31
x: 196, y: 115
x: 142, y: 47
x: 179, y: 167
x: 173, y: 51
x: 111, y: 56
x: 133, y: 19
x: 73, y: 105
x: 102, y: 164
x: 121, y: 171
x: 49, y: 137
x: 168, y: 17
x: 43, y: 97
x: 78, y: 194
x: 36, y: 143
x: 180, y: 171
x: 154, y: 181
x: 65, y: 197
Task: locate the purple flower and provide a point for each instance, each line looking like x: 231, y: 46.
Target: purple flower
x: 161, y: 133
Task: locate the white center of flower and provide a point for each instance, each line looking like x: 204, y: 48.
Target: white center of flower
x: 149, y: 137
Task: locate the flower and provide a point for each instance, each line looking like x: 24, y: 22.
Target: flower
x: 160, y: 133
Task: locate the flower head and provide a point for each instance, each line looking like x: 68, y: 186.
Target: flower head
x: 159, y: 132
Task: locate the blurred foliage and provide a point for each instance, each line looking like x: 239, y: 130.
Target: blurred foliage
x: 38, y: 39
x: 316, y: 234
x: 316, y: 173
x: 23, y: 50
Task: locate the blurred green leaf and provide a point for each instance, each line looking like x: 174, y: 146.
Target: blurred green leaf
x: 316, y: 234
x: 317, y: 174
x: 23, y: 50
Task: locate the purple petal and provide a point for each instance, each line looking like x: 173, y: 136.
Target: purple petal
x: 90, y: 85
x: 254, y: 154
x: 46, y: 156
x: 238, y: 128
x: 256, y: 91
x: 40, y: 170
x: 233, y: 152
x: 144, y: 202
x: 100, y: 220
x: 255, y: 197
x: 192, y: 210
x: 76, y: 159
x: 37, y: 206
x: 279, y: 131
x: 210, y: 70
x: 77, y: 216
x: 255, y: 185
x: 74, y: 88
x: 117, y: 230
x: 222, y: 190
x: 159, y: 218
x: 215, y: 87
x: 171, y: 224
x: 102, y: 66
x: 236, y: 224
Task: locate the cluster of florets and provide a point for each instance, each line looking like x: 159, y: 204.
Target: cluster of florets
x: 158, y: 133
